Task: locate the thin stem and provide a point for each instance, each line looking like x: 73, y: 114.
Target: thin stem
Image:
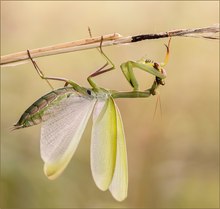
x: 108, y: 40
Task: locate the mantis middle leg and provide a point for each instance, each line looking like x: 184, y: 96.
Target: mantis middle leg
x: 102, y: 69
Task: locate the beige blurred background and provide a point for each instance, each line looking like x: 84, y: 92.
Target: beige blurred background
x: 173, y: 160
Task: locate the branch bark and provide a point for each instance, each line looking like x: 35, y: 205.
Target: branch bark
x: 14, y: 59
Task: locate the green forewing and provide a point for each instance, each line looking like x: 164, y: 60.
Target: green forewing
x: 103, y: 143
x: 119, y: 185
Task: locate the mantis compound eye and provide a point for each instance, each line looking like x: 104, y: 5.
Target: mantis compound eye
x: 160, y: 69
x: 156, y: 66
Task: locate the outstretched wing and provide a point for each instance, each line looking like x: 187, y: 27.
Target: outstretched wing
x: 61, y: 131
x: 119, y: 185
x: 103, y: 143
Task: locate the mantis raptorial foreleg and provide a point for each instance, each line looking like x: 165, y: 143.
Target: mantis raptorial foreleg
x: 149, y: 66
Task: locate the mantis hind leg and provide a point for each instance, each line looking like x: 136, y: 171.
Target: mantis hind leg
x: 41, y: 74
x: 102, y: 69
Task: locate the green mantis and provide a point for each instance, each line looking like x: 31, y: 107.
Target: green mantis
x: 64, y: 114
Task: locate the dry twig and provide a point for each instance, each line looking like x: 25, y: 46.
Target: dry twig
x: 211, y: 32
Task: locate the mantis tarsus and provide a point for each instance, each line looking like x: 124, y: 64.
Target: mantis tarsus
x: 65, y: 113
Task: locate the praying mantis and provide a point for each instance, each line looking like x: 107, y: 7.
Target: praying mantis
x: 64, y: 113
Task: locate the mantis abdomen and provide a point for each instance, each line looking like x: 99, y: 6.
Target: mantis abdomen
x: 33, y: 115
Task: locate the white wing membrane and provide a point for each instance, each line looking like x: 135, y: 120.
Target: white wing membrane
x: 62, y: 130
x: 119, y: 185
x: 103, y: 143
